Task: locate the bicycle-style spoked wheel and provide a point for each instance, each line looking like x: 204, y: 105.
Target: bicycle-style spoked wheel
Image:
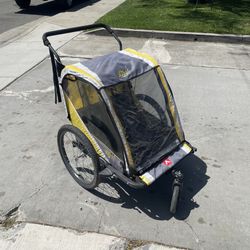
x: 78, y: 156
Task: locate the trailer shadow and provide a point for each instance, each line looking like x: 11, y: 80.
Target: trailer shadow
x: 155, y: 200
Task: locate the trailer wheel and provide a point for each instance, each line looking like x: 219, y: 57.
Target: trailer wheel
x: 65, y: 4
x: 152, y: 105
x: 175, y: 198
x: 23, y: 4
x: 79, y: 156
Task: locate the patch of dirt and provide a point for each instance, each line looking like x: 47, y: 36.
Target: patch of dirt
x: 135, y: 243
x: 10, y: 218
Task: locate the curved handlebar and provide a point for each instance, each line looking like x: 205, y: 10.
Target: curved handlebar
x: 80, y: 28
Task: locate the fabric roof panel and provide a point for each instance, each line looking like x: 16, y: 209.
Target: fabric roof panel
x: 113, y: 68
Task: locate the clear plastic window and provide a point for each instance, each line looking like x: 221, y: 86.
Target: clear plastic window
x: 93, y: 113
x: 141, y: 106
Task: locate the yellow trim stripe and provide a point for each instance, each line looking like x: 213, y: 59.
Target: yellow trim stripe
x: 77, y: 122
x: 171, y: 105
x: 85, y: 73
x: 145, y: 180
x: 186, y: 148
x: 143, y: 56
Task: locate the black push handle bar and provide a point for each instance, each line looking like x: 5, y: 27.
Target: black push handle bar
x: 57, y: 65
x: 79, y: 28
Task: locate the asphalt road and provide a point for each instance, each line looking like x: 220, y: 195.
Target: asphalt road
x: 211, y: 87
x: 12, y: 16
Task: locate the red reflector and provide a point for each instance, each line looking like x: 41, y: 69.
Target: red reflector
x: 167, y: 162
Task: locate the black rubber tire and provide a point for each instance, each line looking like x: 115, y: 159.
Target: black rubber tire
x: 23, y: 4
x: 88, y: 150
x: 65, y: 4
x: 175, y: 198
x: 154, y: 104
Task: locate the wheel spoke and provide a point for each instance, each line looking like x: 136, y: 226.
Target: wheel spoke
x: 81, y: 164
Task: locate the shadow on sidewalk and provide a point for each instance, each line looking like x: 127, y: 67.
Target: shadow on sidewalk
x: 51, y: 8
x: 155, y: 200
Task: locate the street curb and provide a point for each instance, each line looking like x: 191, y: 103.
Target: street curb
x: 58, y: 237
x: 181, y: 36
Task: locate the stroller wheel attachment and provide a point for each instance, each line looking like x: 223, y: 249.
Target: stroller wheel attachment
x: 177, y: 185
x: 78, y: 156
x: 174, y: 200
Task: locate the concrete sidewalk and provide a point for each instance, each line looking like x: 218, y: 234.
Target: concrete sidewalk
x: 26, y: 236
x: 25, y: 49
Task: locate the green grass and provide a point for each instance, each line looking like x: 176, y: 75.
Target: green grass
x: 223, y: 16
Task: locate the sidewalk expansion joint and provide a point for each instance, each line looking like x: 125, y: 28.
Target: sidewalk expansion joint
x: 197, y: 240
x: 23, y: 74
